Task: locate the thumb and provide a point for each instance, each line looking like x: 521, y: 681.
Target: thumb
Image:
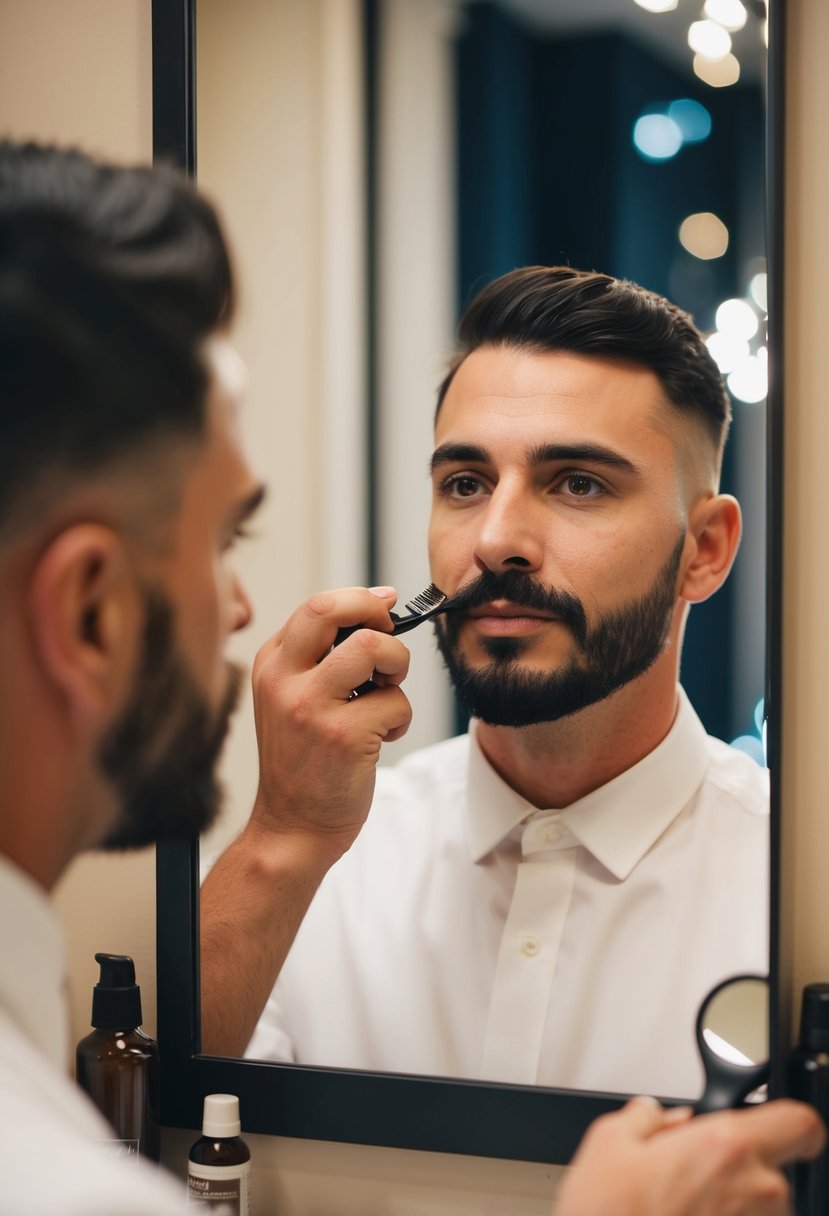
x: 641, y: 1118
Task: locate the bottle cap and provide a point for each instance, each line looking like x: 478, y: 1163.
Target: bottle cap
x: 814, y: 1017
x: 221, y: 1116
x: 116, y: 998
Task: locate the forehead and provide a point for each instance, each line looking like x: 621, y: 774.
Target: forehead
x: 513, y: 392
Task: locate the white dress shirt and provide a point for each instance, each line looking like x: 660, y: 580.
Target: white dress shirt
x: 53, y: 1141
x: 468, y: 934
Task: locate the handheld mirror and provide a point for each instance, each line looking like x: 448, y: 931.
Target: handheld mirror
x: 733, y: 1039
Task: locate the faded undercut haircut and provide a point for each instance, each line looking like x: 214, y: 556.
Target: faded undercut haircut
x: 557, y: 308
x: 110, y: 280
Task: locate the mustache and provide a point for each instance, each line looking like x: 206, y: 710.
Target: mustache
x: 524, y: 591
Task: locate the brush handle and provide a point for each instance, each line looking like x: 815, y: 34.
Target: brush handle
x: 402, y: 624
x: 347, y: 631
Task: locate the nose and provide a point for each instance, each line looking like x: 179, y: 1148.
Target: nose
x: 242, y: 608
x: 510, y: 535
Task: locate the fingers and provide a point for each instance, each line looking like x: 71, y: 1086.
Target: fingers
x: 637, y: 1120
x: 309, y: 634
x: 640, y: 1117
x: 303, y: 647
x: 783, y: 1131
x: 302, y: 690
x: 780, y: 1132
x: 368, y: 656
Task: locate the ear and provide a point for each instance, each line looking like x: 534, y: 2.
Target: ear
x: 85, y: 616
x: 715, y: 526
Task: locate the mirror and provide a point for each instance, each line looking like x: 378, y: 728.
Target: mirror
x: 733, y: 1039
x: 522, y: 1121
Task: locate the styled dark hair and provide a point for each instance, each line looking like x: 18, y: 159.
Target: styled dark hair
x: 556, y: 308
x: 110, y: 279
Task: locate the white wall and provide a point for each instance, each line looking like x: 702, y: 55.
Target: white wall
x: 415, y: 315
x: 260, y: 143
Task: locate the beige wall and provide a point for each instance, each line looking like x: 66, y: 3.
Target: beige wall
x: 805, y: 788
x: 80, y: 72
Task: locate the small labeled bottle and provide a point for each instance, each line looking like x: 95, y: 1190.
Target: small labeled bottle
x: 218, y: 1167
x: 808, y: 1068
x: 117, y: 1064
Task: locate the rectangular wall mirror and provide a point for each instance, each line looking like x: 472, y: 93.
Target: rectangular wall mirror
x: 377, y: 162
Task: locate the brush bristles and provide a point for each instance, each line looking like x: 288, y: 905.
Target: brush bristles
x: 430, y: 598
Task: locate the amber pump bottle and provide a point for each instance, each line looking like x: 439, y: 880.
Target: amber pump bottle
x: 808, y: 1080
x: 218, y: 1168
x: 117, y: 1064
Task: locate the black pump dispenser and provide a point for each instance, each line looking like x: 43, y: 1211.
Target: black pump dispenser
x: 116, y: 998
x: 117, y: 1064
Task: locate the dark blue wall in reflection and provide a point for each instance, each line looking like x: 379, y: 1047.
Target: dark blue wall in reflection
x: 548, y: 173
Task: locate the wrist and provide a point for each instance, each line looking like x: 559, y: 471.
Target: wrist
x: 277, y: 847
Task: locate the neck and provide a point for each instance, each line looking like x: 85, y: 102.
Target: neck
x: 45, y: 803
x: 553, y: 764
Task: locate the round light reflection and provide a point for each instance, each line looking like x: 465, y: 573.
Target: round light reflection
x: 693, y: 119
x: 751, y: 746
x: 656, y: 137
x: 731, y: 14
x: 718, y: 73
x: 709, y: 39
x: 749, y: 381
x: 758, y: 290
x: 658, y: 6
x: 704, y: 235
x: 727, y: 351
x: 737, y: 317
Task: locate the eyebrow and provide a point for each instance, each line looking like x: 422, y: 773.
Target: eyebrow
x: 458, y: 453
x: 588, y: 453
x: 543, y: 453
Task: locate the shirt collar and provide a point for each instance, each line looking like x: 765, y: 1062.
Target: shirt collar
x: 33, y: 964
x: 619, y: 822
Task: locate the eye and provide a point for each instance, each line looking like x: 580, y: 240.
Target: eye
x: 460, y: 485
x: 241, y: 532
x: 581, y: 485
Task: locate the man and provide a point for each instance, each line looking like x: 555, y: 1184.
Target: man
x: 123, y: 485
x: 548, y: 899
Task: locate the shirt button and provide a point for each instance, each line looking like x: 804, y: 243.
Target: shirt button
x: 530, y: 946
x: 552, y: 833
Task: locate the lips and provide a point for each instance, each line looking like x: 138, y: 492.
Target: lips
x: 508, y: 611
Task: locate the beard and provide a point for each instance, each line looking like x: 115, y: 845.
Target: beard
x: 161, y: 754
x: 617, y: 648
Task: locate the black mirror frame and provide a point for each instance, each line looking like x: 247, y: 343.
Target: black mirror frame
x: 523, y: 1123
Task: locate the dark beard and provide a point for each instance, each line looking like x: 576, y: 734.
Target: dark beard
x: 161, y: 755
x: 609, y: 654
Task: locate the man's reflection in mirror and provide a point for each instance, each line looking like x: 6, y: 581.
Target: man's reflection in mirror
x: 546, y: 898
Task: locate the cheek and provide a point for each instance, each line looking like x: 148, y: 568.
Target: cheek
x: 447, y: 547
x: 610, y: 563
x: 206, y: 625
x: 204, y: 630
x: 225, y: 594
